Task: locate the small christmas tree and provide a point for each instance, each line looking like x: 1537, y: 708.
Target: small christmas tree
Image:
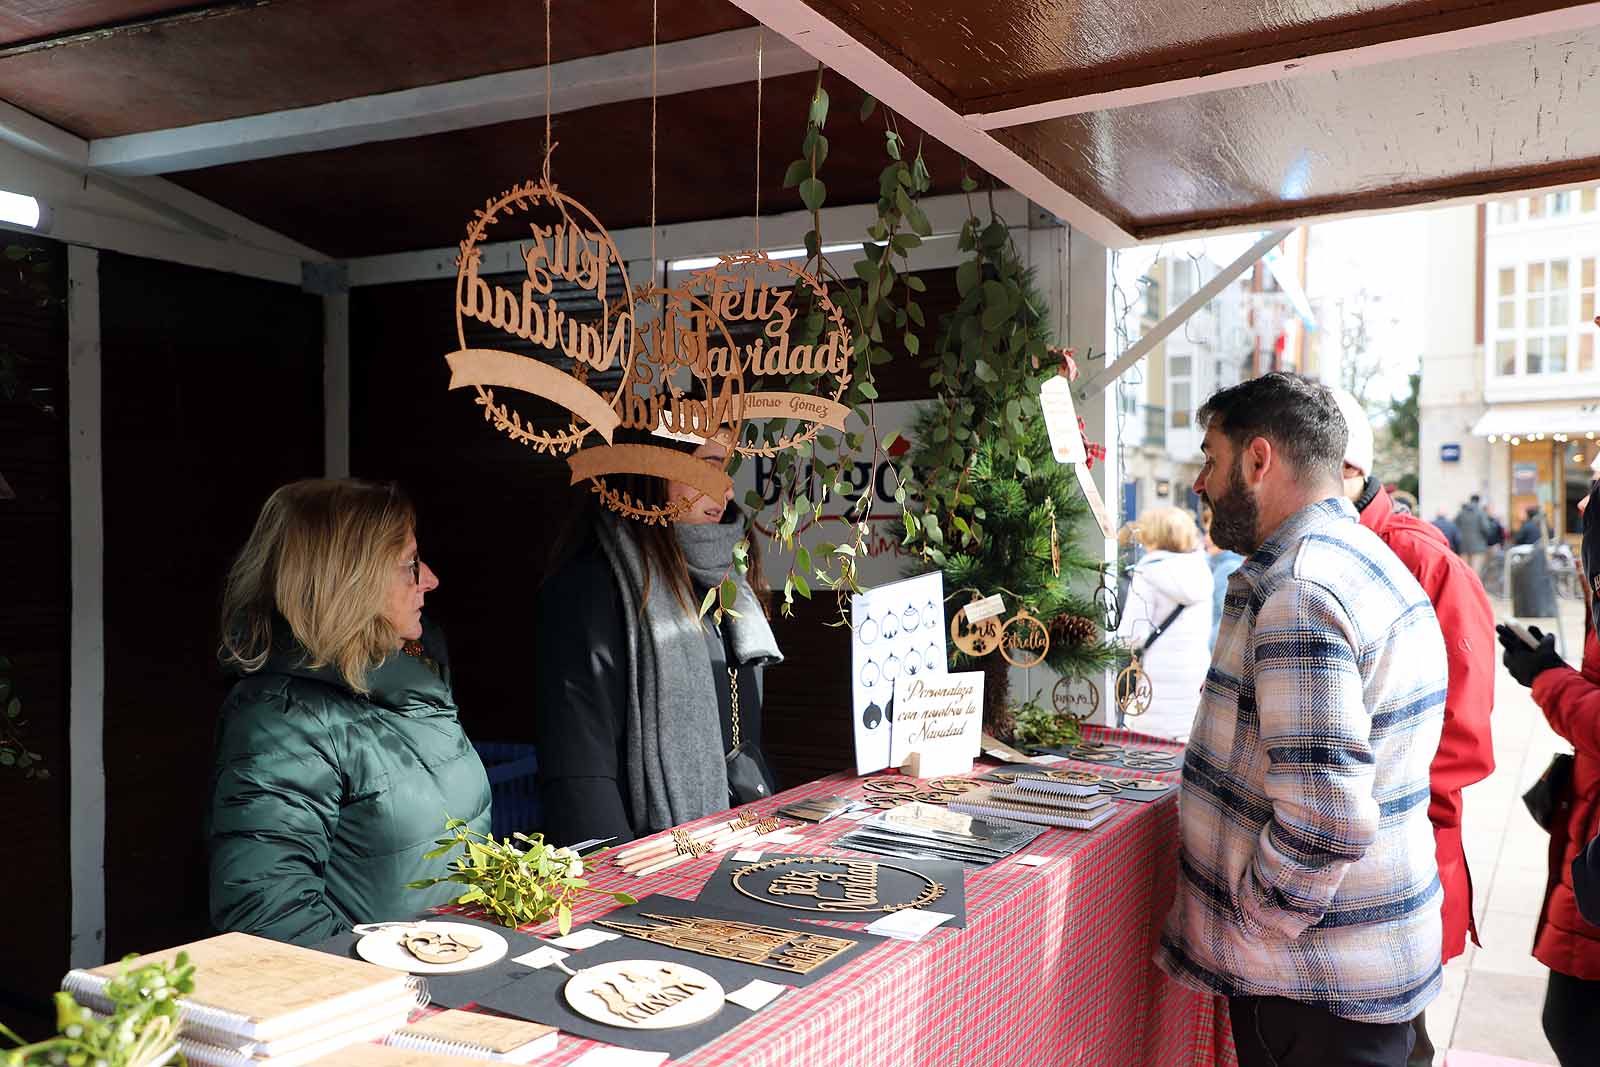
x: 1013, y: 557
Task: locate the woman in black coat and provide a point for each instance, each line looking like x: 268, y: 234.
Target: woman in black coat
x: 635, y: 717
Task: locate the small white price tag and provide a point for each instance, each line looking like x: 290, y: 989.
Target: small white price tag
x: 782, y: 837
x: 857, y: 816
x: 910, y: 925
x: 541, y: 957
x: 987, y: 608
x: 582, y: 939
x: 1031, y: 860
x: 1049, y: 757
x: 749, y: 855
x: 756, y: 995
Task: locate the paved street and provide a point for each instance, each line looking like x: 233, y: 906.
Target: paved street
x: 1488, y: 1015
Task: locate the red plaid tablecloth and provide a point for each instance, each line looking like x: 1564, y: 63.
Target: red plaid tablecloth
x: 1053, y: 967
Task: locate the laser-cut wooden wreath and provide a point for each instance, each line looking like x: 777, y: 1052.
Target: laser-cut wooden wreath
x: 676, y: 335
x: 737, y: 290
x: 829, y: 885
x: 1024, y: 640
x: 578, y: 250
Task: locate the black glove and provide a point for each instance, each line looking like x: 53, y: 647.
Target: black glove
x: 1525, y: 663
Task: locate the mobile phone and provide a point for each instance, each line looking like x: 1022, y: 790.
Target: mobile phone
x: 1521, y: 631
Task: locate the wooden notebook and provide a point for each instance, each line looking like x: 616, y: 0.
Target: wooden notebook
x: 471, y: 1033
x: 256, y: 988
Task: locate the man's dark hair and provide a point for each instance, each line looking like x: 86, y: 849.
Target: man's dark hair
x: 1476, y: 498
x: 1298, y: 415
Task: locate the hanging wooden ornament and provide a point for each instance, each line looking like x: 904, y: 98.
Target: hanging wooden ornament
x: 1134, y: 689
x: 572, y: 250
x: 974, y: 638
x: 1076, y: 698
x: 1024, y: 640
x: 1055, y: 537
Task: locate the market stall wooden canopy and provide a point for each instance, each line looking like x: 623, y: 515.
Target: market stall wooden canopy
x: 357, y: 127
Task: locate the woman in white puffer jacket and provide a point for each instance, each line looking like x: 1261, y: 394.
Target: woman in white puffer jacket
x: 1173, y: 571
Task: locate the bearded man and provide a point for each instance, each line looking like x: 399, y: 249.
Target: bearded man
x: 1308, y: 892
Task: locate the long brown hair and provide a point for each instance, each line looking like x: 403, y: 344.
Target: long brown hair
x: 656, y: 542
x: 322, y: 556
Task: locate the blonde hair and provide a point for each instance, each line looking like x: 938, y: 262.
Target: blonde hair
x: 322, y: 556
x: 1168, y: 529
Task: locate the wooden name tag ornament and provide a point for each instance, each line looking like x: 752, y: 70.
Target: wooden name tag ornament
x: 739, y: 289
x: 1076, y: 698
x: 974, y: 639
x: 644, y: 994
x: 761, y: 946
x: 831, y: 886
x: 569, y: 246
x: 1024, y: 640
x: 1134, y: 689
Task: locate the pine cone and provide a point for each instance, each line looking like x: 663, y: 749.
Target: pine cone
x: 1073, y: 630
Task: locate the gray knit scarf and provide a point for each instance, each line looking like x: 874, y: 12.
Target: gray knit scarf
x: 676, y: 766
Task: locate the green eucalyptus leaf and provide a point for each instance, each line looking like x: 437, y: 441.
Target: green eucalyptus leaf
x: 798, y: 171
x: 868, y: 105
x: 812, y: 193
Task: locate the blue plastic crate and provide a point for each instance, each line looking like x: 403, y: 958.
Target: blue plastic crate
x: 513, y: 782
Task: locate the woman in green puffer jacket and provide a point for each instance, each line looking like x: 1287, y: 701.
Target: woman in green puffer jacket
x: 339, y: 754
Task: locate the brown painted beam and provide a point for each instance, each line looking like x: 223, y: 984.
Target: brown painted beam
x: 109, y: 30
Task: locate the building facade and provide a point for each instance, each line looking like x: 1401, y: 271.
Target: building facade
x: 1510, y: 402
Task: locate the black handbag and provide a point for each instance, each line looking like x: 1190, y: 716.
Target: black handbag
x: 1549, y: 794
x: 747, y: 780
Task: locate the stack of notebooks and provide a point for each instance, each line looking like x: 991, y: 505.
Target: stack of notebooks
x: 1044, y: 801
x: 926, y: 831
x: 259, y: 1003
x: 471, y: 1033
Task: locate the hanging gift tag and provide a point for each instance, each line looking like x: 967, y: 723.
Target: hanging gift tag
x: 987, y: 608
x: 1091, y: 493
x: 1061, y: 420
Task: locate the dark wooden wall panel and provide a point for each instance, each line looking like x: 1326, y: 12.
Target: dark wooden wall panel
x: 212, y: 398
x: 34, y: 620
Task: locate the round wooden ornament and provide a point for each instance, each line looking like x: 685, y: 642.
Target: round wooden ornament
x: 975, y: 639
x: 1134, y: 690
x: 1024, y: 640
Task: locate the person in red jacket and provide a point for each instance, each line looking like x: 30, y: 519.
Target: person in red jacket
x: 1466, y: 750
x: 1564, y: 940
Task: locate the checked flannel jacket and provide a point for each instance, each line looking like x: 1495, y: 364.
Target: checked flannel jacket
x: 1307, y: 866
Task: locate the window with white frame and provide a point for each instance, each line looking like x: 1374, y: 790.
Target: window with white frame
x: 1542, y: 317
x: 1180, y: 392
x: 1546, y: 207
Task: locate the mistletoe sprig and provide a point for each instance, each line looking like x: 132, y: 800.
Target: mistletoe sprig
x: 1042, y: 726
x: 140, y: 1031
x: 518, y: 886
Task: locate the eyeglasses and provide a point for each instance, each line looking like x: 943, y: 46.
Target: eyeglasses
x: 415, y: 563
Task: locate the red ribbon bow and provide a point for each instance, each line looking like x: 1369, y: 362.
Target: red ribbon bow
x: 1091, y: 450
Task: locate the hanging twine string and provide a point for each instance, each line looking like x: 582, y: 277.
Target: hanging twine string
x: 548, y: 93
x: 761, y: 40
x: 654, y: 20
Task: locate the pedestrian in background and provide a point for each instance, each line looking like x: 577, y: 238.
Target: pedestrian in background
x: 1451, y: 534
x: 1167, y: 620
x: 1472, y: 527
x: 1566, y: 941
x: 1466, y: 746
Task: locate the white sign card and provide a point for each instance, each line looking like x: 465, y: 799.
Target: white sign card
x: 898, y: 631
x: 938, y: 719
x: 1061, y: 420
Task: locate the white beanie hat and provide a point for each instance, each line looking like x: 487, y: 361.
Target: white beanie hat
x: 1358, y: 445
